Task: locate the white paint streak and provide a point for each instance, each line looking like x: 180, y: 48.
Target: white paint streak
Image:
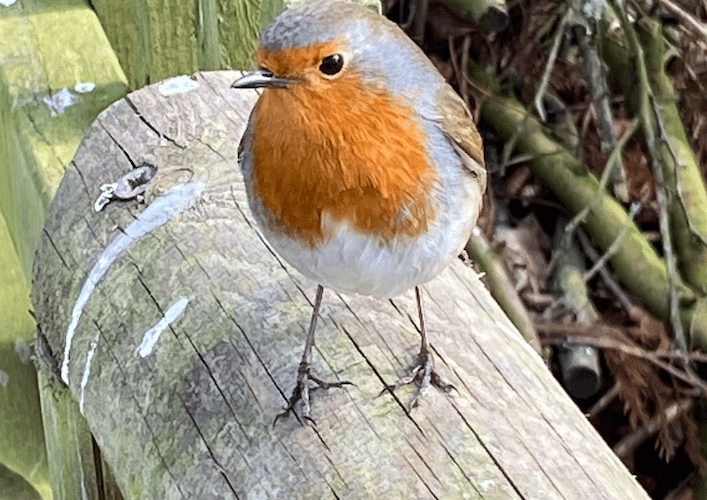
x: 4, y: 378
x: 178, y: 85
x: 488, y: 483
x: 60, y: 101
x: 151, y: 336
x: 87, y: 369
x: 170, y: 204
x: 23, y: 350
x: 84, y: 493
x: 83, y: 87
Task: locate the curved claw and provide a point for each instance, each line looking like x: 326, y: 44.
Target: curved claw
x: 300, y: 394
x: 423, y: 375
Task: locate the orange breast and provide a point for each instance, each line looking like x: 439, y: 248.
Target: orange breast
x: 356, y: 154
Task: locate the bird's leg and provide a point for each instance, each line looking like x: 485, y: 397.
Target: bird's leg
x: 422, y: 373
x: 301, y: 391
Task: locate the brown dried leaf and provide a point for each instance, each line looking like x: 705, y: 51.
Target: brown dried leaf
x: 636, y: 379
x: 647, y: 391
x: 693, y: 443
x: 524, y: 253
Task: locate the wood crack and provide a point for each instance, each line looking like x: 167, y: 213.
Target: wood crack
x: 454, y: 460
x: 384, y: 341
x: 200, y: 356
x: 256, y: 230
x: 383, y: 382
x: 153, y: 435
x: 117, y: 143
x: 220, y: 467
x: 422, y: 479
x: 149, y: 125
x: 422, y: 459
x: 235, y: 348
x: 255, y: 351
x: 51, y: 243
x: 490, y: 454
x: 572, y: 455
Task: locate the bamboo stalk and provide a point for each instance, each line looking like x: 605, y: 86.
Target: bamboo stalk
x: 635, y: 262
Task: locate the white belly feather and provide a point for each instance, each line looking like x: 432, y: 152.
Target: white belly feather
x: 353, y: 262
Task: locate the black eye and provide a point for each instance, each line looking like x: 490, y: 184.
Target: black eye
x: 332, y: 64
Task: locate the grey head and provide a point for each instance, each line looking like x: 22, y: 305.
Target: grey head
x: 311, y: 22
x: 381, y: 52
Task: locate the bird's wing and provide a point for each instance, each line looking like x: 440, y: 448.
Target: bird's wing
x: 458, y: 126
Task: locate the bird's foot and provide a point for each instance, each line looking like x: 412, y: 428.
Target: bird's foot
x: 306, y: 382
x: 423, y: 375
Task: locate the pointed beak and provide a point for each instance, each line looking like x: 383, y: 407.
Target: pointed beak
x: 261, y: 78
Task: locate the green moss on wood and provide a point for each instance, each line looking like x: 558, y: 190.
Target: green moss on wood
x: 159, y: 39
x: 21, y: 434
x: 45, y: 53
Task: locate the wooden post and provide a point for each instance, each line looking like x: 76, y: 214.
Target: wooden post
x: 179, y: 332
x: 57, y: 73
x: 157, y: 39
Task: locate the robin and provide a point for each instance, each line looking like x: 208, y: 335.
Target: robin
x: 362, y: 165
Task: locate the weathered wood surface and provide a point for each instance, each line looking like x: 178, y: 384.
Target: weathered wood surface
x: 193, y: 417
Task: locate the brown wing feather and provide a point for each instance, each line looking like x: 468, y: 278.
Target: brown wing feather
x: 458, y: 126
